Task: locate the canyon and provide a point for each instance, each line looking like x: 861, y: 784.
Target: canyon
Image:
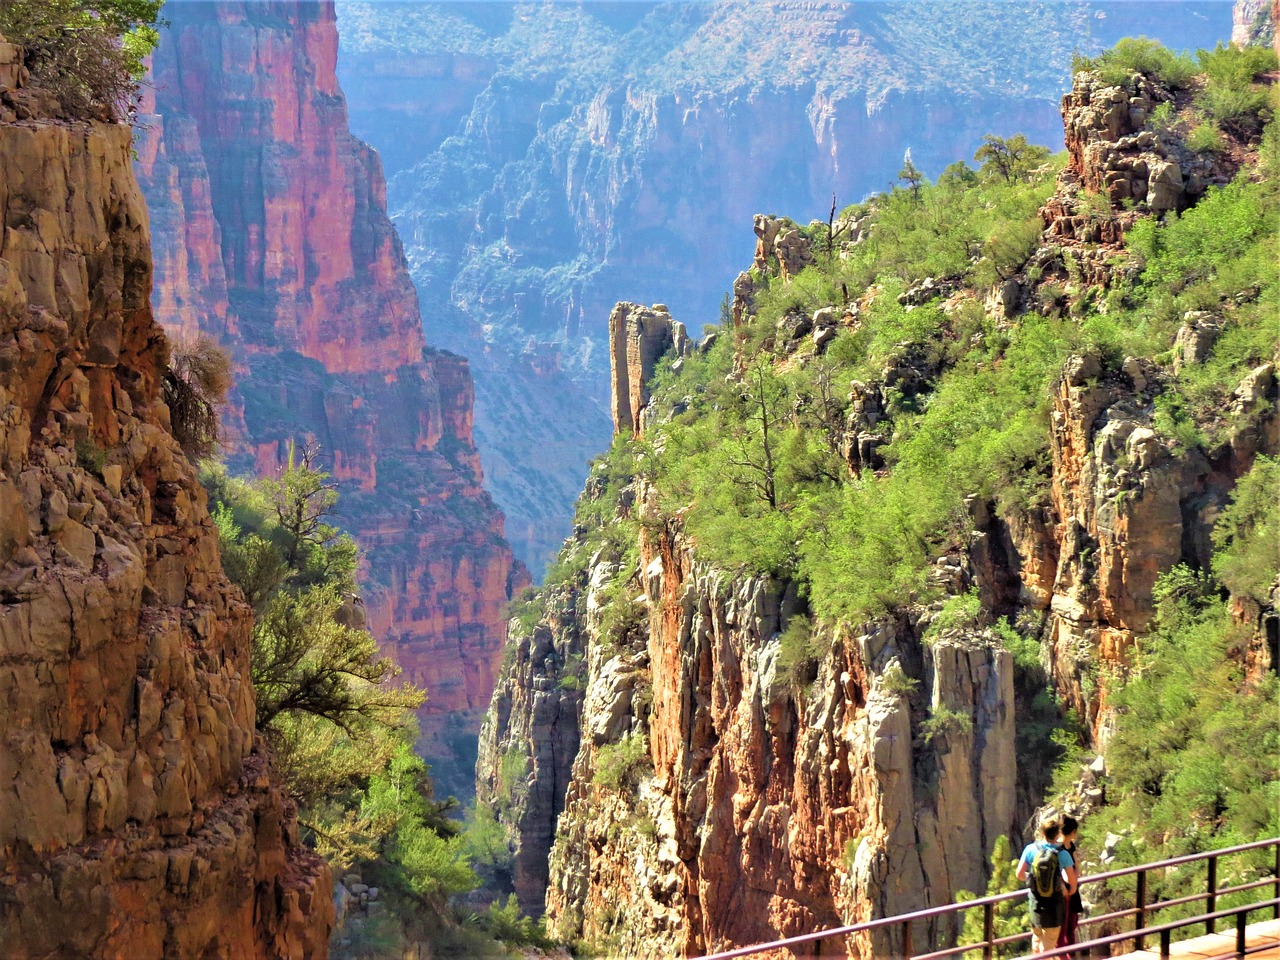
x: 272, y: 238
x: 546, y: 161
x: 139, y: 815
x: 675, y: 781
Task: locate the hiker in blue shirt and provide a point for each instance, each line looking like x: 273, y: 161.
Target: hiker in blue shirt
x: 1050, y: 874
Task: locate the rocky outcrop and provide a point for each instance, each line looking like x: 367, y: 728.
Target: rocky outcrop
x: 742, y: 774
x: 769, y: 798
x: 530, y: 739
x: 638, y: 338
x: 272, y: 219
x: 1127, y: 504
x: 138, y: 816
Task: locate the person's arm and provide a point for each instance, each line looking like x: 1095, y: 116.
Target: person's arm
x: 1022, y: 867
x: 1069, y: 875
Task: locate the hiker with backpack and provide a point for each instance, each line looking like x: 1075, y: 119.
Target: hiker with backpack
x: 1050, y: 874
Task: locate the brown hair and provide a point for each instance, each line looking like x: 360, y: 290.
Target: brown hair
x: 1050, y: 827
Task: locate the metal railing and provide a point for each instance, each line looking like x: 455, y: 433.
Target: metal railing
x: 1139, y: 912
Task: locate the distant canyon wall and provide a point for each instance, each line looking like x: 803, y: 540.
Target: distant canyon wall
x: 272, y: 236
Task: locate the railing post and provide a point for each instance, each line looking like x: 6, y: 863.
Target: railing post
x: 1241, y: 940
x: 989, y: 930
x: 906, y: 939
x: 1277, y: 888
x: 1140, y: 917
x: 1212, y: 903
x: 1165, y: 936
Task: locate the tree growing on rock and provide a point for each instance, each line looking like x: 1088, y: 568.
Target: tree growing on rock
x: 1011, y: 158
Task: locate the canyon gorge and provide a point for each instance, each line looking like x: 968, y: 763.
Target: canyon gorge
x: 272, y: 238
x: 892, y: 511
x: 689, y: 757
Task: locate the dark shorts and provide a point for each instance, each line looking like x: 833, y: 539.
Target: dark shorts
x: 1047, y: 913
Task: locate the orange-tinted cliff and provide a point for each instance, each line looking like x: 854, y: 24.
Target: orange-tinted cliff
x: 271, y: 219
x: 138, y: 816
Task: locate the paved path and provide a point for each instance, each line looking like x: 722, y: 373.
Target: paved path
x: 1218, y: 944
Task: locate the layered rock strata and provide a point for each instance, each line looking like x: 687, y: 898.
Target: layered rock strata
x: 272, y: 219
x: 138, y: 817
x: 1127, y: 504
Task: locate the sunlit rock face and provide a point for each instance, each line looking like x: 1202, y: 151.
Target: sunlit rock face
x: 139, y: 817
x: 272, y: 236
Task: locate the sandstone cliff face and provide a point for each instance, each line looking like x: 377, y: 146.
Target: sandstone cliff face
x: 1254, y: 21
x: 775, y: 806
x: 138, y: 817
x: 1126, y: 504
x: 638, y: 338
x: 272, y: 219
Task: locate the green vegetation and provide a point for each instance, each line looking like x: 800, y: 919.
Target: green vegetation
x: 1194, y: 762
x: 1010, y: 916
x: 619, y: 765
x: 799, y: 647
x: 89, y: 53
x: 342, y: 730
x: 1247, y: 536
x: 1139, y: 55
x: 943, y: 721
x: 960, y: 612
x: 749, y: 451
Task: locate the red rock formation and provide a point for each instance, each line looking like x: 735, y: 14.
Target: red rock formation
x: 138, y: 817
x: 274, y: 216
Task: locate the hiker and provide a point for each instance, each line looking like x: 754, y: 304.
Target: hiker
x: 1075, y: 906
x: 1051, y: 877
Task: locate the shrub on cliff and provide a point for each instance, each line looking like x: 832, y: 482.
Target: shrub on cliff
x: 88, y: 53
x: 1142, y: 55
x: 195, y: 386
x: 1194, y: 759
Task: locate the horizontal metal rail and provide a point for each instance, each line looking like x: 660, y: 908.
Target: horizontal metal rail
x: 1237, y: 913
x: 988, y: 904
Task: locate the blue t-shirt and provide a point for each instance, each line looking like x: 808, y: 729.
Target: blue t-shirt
x: 1029, y: 854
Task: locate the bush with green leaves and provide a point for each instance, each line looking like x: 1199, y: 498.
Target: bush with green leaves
x: 1194, y: 759
x: 1230, y: 92
x: 1010, y: 917
x: 619, y: 765
x: 1247, y: 535
x: 1140, y: 55
x: 799, y: 648
x: 90, y: 54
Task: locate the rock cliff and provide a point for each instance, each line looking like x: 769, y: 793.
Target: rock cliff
x: 741, y: 772
x: 1254, y: 21
x: 548, y: 161
x: 272, y: 221
x: 138, y: 816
